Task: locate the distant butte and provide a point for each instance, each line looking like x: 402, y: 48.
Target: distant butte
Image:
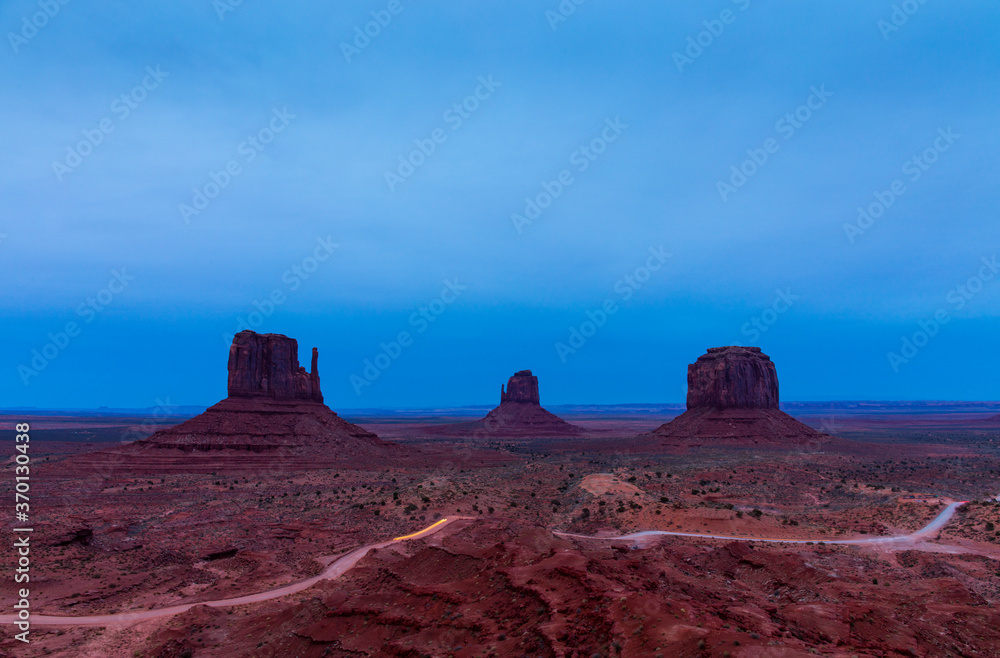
x: 274, y: 415
x: 522, y: 387
x: 520, y: 414
x: 732, y: 399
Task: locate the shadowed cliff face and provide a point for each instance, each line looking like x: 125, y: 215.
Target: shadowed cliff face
x: 267, y: 365
x: 732, y: 378
x: 521, y: 387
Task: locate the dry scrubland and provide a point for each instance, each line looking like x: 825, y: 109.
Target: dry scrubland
x: 503, y: 584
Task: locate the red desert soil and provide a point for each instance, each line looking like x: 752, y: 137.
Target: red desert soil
x: 113, y: 540
x: 500, y: 587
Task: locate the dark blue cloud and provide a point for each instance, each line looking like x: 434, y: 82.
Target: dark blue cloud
x: 693, y: 113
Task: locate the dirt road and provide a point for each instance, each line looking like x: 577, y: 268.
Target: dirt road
x: 346, y: 562
x: 333, y: 570
x: 913, y: 537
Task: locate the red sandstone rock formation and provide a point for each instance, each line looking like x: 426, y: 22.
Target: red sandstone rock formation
x: 274, y: 417
x: 520, y: 414
x: 733, y: 377
x: 267, y: 365
x: 521, y: 387
x: 733, y: 400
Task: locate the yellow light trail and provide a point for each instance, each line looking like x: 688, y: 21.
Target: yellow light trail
x: 421, y: 532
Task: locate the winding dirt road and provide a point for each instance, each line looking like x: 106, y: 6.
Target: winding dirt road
x: 333, y: 570
x: 347, y: 561
x: 913, y: 537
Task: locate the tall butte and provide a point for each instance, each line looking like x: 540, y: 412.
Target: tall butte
x: 521, y: 414
x: 732, y: 399
x: 274, y: 416
x: 267, y: 366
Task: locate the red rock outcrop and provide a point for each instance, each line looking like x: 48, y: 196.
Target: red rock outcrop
x: 733, y: 400
x: 521, y: 387
x: 274, y: 417
x: 267, y: 365
x: 733, y: 377
x: 520, y: 414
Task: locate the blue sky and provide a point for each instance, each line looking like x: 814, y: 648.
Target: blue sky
x: 832, y: 100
